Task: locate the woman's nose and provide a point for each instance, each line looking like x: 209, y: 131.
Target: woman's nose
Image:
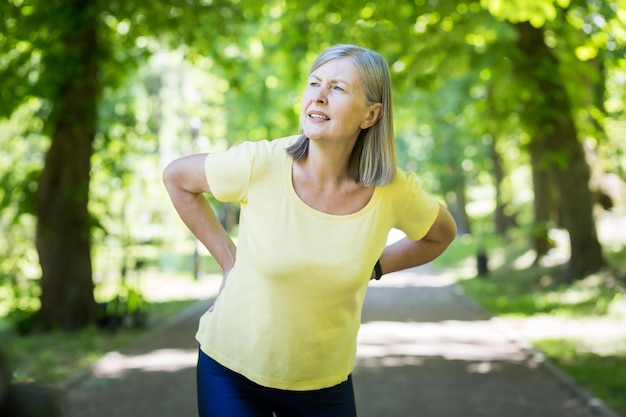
x: 320, y: 95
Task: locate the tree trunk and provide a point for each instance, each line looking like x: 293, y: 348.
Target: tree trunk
x: 576, y: 204
x: 548, y: 117
x: 63, y: 240
x: 543, y: 202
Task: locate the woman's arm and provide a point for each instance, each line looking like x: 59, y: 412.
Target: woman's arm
x: 186, y: 184
x: 408, y: 253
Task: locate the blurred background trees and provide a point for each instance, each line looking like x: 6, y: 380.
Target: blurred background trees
x: 512, y: 112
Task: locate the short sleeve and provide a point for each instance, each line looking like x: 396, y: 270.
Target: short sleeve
x: 420, y: 211
x: 228, y: 172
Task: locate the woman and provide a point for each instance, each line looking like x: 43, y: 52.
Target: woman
x: 316, y: 210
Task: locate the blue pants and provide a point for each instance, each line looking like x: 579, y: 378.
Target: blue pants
x: 224, y: 393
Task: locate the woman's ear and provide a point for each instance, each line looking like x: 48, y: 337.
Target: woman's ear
x: 373, y: 115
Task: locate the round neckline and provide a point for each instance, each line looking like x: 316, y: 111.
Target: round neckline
x: 304, y: 206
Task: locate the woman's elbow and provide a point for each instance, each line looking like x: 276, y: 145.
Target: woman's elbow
x: 444, y: 229
x: 171, y: 176
x: 451, y: 230
x: 186, y: 173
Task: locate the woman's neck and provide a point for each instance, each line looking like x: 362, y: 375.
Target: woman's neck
x: 327, y: 165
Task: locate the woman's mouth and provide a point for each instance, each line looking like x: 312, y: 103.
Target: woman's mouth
x: 318, y: 116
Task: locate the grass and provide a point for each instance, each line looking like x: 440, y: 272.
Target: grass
x: 523, y: 293
x: 55, y: 356
x: 602, y: 374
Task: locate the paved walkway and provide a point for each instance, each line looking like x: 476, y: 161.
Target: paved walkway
x: 424, y: 350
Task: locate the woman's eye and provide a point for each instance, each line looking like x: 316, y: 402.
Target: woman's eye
x: 337, y: 88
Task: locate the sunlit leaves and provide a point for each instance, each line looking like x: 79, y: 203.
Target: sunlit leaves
x: 586, y: 52
x: 22, y: 161
x: 537, y: 12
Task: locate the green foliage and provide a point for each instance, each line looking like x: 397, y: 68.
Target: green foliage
x: 239, y: 68
x: 535, y: 11
x: 23, y: 163
x: 617, y: 258
x: 128, y: 308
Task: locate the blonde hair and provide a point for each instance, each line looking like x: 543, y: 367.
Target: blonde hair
x: 373, y: 159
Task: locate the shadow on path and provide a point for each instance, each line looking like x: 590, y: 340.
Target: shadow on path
x: 153, y: 377
x: 424, y: 351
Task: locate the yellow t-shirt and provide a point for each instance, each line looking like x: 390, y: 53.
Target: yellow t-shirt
x: 289, y: 314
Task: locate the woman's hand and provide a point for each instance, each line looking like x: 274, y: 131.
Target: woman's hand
x: 225, y: 274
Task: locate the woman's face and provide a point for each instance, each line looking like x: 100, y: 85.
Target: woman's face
x: 334, y: 105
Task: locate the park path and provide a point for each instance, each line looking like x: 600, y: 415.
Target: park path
x: 425, y: 350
